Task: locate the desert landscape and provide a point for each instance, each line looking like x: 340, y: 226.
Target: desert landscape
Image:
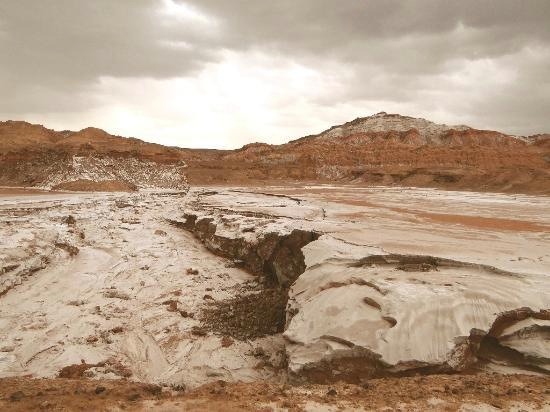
x: 299, y: 205
x: 117, y: 272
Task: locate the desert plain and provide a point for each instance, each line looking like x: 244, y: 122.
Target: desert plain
x: 320, y: 296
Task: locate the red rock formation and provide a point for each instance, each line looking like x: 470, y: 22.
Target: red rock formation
x: 388, y: 149
x: 31, y: 155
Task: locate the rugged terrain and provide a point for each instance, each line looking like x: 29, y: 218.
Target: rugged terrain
x: 308, y: 296
x: 89, y: 160
x: 388, y: 149
x: 383, y: 149
x: 276, y: 297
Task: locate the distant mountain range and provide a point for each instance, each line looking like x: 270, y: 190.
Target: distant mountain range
x: 383, y: 149
x: 388, y: 149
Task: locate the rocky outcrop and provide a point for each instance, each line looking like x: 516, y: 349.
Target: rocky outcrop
x: 356, y: 312
x: 126, y: 173
x: 387, y: 149
x: 90, y: 160
x: 276, y: 256
x: 381, y: 315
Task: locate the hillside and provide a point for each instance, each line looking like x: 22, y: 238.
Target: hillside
x: 387, y: 149
x: 90, y: 159
x: 383, y: 149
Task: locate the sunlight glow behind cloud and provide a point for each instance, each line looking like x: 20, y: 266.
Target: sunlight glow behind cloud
x: 222, y: 74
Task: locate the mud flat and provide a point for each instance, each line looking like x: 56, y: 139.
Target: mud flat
x: 277, y: 286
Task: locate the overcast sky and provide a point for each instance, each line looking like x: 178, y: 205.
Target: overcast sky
x: 223, y: 73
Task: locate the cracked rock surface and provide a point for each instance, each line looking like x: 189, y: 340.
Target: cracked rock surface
x: 397, y: 287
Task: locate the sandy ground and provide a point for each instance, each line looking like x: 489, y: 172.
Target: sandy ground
x: 480, y: 393
x: 102, y: 280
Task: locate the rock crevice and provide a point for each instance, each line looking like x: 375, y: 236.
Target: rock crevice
x: 275, y: 256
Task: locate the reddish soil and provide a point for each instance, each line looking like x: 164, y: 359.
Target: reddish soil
x: 476, y: 222
x: 486, y: 223
x: 445, y: 391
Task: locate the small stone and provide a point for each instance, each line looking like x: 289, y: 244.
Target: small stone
x: 198, y: 331
x: 46, y: 405
x: 259, y: 352
x: 69, y: 220
x: 227, y: 341
x: 332, y: 392
x: 154, y: 389
x: 99, y: 389
x: 17, y: 396
x: 179, y: 388
x: 133, y: 397
x: 172, y: 306
x: 186, y: 314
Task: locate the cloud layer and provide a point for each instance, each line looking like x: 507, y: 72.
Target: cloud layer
x: 213, y: 73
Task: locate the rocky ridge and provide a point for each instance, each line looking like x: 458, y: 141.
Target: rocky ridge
x: 383, y: 149
x: 387, y: 149
x: 429, y: 132
x: 89, y: 160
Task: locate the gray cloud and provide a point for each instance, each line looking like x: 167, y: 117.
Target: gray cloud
x: 427, y: 55
x: 334, y: 27
x: 53, y: 49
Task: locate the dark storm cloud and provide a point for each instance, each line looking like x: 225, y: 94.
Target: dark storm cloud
x: 51, y: 49
x: 53, y: 52
x: 342, y: 27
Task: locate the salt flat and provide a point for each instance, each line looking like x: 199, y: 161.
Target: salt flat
x: 103, y: 280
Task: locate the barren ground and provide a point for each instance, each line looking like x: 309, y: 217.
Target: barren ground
x: 429, y: 393
x: 102, y: 289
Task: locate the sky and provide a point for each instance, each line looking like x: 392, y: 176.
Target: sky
x: 221, y: 74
